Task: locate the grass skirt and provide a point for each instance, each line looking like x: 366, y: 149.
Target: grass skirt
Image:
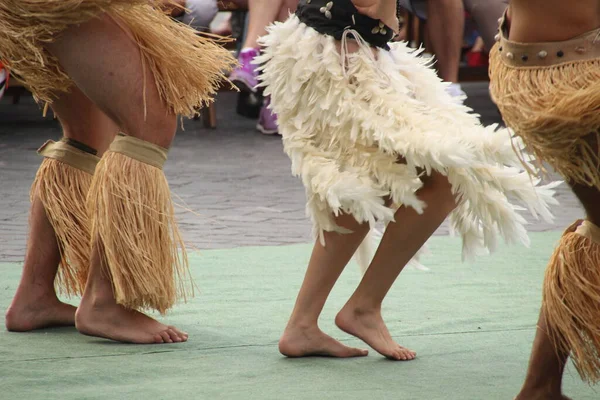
x: 572, y: 298
x: 62, y: 184
x: 133, y: 223
x: 188, y: 68
x: 345, y: 120
x: 553, y: 108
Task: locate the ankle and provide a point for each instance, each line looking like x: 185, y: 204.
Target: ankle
x: 301, y: 324
x: 540, y: 389
x: 96, y: 298
x: 363, y: 307
x: 37, y: 291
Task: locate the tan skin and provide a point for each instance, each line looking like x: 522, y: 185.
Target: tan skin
x: 529, y: 22
x: 35, y: 304
x: 106, y: 99
x: 384, y: 10
x: 361, y: 316
x: 446, y: 22
x: 262, y: 13
x: 552, y: 20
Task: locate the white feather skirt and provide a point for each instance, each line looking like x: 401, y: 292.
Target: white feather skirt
x: 345, y: 120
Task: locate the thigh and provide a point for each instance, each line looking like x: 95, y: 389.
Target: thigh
x: 83, y: 121
x: 486, y: 14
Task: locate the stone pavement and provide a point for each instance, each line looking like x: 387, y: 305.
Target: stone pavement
x: 235, y: 182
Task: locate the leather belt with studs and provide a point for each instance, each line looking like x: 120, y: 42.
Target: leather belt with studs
x: 583, y: 47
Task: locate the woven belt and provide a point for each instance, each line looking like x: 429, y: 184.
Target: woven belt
x: 544, y: 54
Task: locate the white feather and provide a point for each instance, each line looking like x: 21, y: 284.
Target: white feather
x: 346, y: 118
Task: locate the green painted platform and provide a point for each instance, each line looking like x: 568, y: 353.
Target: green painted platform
x: 471, y: 324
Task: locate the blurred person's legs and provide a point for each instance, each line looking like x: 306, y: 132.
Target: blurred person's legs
x: 446, y: 25
x: 486, y: 14
x: 261, y: 13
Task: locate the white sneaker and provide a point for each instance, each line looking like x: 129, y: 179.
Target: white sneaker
x: 455, y: 90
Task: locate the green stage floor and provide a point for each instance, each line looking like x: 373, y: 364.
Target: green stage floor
x: 471, y: 324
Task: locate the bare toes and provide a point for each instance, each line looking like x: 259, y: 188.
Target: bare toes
x: 174, y: 336
x: 158, y: 338
x: 409, y: 354
x: 180, y: 333
x: 354, y: 352
x: 166, y: 337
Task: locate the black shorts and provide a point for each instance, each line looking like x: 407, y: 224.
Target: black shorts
x: 333, y: 17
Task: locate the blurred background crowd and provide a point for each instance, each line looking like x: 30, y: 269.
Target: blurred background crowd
x: 458, y: 33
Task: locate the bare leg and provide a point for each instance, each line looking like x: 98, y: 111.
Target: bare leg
x: 302, y: 336
x: 36, y: 304
x: 287, y: 7
x: 486, y: 14
x: 261, y: 14
x: 546, y: 366
x: 361, y: 316
x: 446, y: 21
x: 87, y: 53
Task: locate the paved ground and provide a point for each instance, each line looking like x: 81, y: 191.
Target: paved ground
x: 236, y: 181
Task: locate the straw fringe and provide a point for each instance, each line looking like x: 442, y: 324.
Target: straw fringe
x: 188, y: 68
x: 141, y: 248
x: 553, y: 108
x: 572, y: 301
x: 62, y: 190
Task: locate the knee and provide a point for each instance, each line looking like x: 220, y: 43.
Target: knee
x: 440, y: 188
x: 158, y: 129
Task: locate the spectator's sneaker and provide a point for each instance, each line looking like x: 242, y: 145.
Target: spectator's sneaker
x: 267, y: 120
x: 3, y: 79
x: 455, y: 90
x: 245, y: 76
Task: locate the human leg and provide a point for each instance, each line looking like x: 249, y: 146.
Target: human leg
x: 135, y: 257
x: 59, y: 227
x: 546, y: 366
x: 261, y: 13
x: 486, y: 14
x: 562, y: 327
x: 361, y: 316
x: 302, y: 336
x: 446, y: 21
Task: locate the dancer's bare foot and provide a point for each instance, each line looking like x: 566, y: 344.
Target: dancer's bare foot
x: 32, y: 310
x: 311, y: 341
x: 369, y: 327
x: 109, y: 320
